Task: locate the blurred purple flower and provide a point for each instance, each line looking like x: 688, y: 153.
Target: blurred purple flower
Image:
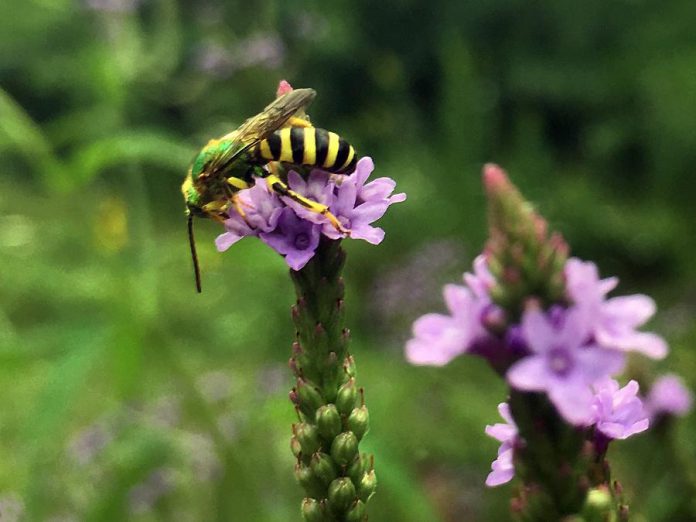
x: 86, y: 444
x: 262, y: 49
x: 411, y: 286
x: 439, y: 338
x: 215, y: 386
x: 481, y: 281
x: 618, y: 412
x: 503, y: 468
x: 143, y: 496
x: 668, y: 396
x: 113, y: 6
x: 357, y: 205
x: 294, y: 238
x: 562, y: 363
x: 12, y: 507
x: 614, y: 320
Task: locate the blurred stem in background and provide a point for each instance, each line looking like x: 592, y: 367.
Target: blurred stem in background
x: 336, y: 477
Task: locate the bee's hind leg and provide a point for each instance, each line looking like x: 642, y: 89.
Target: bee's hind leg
x: 279, y: 187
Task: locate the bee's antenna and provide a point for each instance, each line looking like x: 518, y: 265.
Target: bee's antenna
x: 194, y: 256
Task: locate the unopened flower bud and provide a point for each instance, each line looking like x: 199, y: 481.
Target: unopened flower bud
x: 349, y: 366
x: 307, y: 436
x: 341, y: 494
x: 359, y: 421
x: 357, y: 512
x: 344, y: 448
x: 309, y: 397
x: 597, y: 503
x: 296, y: 447
x: 328, y: 421
x: 312, y: 510
x: 494, y: 318
x: 361, y: 464
x: 306, y: 478
x: 347, y: 394
x: 368, y: 485
x: 323, y: 467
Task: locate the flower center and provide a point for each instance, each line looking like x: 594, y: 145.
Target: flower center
x: 560, y: 361
x: 302, y: 241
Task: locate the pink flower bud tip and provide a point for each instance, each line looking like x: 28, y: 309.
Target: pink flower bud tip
x: 283, y: 88
x: 494, y: 178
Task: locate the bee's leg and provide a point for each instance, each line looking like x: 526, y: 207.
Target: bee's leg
x: 213, y: 211
x: 296, y: 121
x: 236, y: 184
x: 277, y: 185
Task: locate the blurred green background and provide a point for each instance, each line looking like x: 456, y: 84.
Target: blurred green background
x: 126, y: 396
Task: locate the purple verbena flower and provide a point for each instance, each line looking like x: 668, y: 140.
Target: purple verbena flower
x: 481, y: 281
x: 358, y: 205
x: 618, y: 412
x: 262, y: 209
x: 563, y: 363
x: 293, y: 230
x: 294, y: 238
x: 668, y: 396
x: 439, y: 338
x: 502, y: 468
x: 318, y: 187
x: 614, y: 320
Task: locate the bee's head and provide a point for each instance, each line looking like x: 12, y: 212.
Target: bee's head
x: 192, y: 196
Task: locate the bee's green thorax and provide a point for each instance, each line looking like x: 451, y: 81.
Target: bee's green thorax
x: 215, y: 150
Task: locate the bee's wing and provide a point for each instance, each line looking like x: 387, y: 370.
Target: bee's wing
x: 272, y: 118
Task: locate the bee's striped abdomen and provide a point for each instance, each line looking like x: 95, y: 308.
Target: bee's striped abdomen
x: 309, y: 146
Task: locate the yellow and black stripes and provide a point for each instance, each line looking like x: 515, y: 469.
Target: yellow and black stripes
x: 308, y: 146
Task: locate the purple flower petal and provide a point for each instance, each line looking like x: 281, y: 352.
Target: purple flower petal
x: 529, y: 373
x: 613, y: 322
x: 503, y: 469
x: 618, y: 412
x: 437, y: 340
x: 573, y: 399
x: 295, y: 238
x: 537, y: 331
x: 669, y: 395
x: 373, y: 235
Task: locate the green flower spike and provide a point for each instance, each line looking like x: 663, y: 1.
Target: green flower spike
x: 337, y: 479
x: 522, y: 256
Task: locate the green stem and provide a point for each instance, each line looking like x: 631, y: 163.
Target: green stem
x: 338, y: 480
x: 562, y: 472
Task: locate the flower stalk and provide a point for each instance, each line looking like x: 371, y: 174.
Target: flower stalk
x: 545, y: 324
x: 338, y: 480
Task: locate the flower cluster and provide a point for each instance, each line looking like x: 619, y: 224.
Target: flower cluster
x: 563, y: 351
x: 293, y: 230
x: 547, y: 325
x: 617, y: 413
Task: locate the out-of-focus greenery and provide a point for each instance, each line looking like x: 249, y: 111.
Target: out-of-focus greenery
x: 126, y: 396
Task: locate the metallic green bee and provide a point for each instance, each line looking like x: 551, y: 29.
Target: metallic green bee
x: 281, y: 133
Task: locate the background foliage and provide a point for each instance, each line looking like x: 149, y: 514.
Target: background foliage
x: 127, y: 396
